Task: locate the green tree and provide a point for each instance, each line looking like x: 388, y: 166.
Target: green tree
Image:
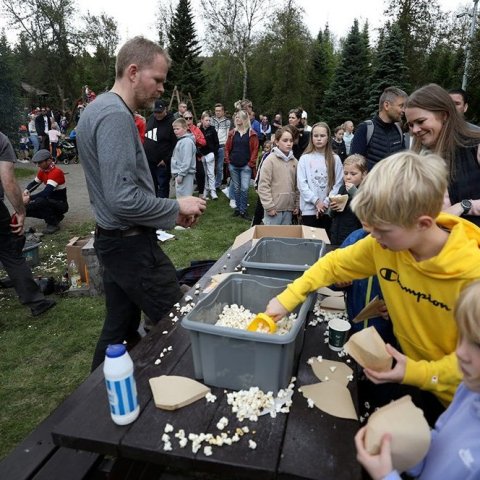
x: 389, y: 67
x: 322, y: 67
x: 47, y: 29
x: 422, y: 25
x: 282, y: 63
x: 232, y: 26
x: 186, y: 70
x: 9, y: 92
x: 347, y: 97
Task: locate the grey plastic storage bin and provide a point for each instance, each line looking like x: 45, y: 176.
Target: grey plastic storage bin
x: 239, y: 359
x: 282, y: 257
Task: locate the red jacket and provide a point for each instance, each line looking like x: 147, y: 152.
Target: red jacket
x: 254, y: 145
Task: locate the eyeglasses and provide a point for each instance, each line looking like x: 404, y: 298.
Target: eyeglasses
x: 188, y: 118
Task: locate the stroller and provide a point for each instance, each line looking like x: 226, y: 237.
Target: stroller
x: 66, y: 152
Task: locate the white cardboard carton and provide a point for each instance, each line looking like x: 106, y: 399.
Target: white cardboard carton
x: 280, y: 231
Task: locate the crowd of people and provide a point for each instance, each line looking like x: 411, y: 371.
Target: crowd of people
x: 408, y: 227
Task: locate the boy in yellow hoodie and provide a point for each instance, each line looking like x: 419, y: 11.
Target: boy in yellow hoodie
x: 423, y: 259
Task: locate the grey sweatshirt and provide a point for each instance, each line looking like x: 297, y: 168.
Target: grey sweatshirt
x: 184, y: 156
x: 118, y: 178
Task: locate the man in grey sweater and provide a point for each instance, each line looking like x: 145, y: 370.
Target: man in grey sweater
x: 138, y: 276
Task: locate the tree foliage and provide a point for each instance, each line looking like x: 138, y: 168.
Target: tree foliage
x: 347, y: 97
x: 232, y: 26
x: 186, y: 70
x: 9, y: 92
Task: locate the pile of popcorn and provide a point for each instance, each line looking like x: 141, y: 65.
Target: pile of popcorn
x: 237, y: 316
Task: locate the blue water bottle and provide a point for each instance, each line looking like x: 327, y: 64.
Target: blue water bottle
x: 121, y: 387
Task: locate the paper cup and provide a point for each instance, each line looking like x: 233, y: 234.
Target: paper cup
x: 337, y: 333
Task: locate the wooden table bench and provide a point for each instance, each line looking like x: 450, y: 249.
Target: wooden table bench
x: 303, y: 444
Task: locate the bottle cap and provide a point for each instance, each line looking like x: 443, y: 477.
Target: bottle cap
x: 114, y: 351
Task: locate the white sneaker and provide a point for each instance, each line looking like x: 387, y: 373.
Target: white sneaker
x: 233, y: 203
x: 214, y: 195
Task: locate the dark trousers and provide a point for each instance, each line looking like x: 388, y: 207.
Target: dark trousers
x: 200, y: 177
x: 15, y: 265
x: 137, y: 276
x: 161, y: 179
x: 47, y: 209
x: 323, y: 221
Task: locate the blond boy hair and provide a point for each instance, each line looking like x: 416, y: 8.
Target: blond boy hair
x: 467, y: 312
x: 358, y: 161
x: 181, y: 122
x: 400, y: 189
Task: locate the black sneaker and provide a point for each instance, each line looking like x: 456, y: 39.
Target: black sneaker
x: 51, y: 229
x: 245, y: 216
x: 236, y: 213
x: 47, y: 304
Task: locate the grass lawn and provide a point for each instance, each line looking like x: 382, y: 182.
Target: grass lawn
x: 43, y: 359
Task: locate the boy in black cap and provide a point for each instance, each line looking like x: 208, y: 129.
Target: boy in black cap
x: 51, y: 203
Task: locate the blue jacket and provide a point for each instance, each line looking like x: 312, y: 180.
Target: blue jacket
x: 363, y: 291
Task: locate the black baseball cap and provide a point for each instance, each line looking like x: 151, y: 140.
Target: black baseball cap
x: 160, y: 106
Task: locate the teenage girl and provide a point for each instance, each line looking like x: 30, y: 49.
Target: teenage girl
x: 277, y: 188
x: 345, y: 222
x: 320, y: 173
x: 338, y: 144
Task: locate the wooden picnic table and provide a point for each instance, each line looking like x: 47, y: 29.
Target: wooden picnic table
x: 303, y: 444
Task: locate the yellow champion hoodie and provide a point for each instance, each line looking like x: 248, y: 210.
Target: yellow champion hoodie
x: 420, y: 297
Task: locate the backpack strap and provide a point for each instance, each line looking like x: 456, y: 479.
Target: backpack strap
x: 370, y: 127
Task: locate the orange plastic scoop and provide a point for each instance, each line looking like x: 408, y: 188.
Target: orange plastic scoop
x: 264, y: 320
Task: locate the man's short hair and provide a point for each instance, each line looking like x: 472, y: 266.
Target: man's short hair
x: 219, y: 105
x: 181, y: 122
x: 141, y: 52
x: 390, y: 94
x: 459, y: 91
x: 402, y: 188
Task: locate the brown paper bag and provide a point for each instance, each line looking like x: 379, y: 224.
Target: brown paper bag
x: 369, y: 311
x: 333, y: 303
x: 368, y: 349
x: 329, y: 370
x: 332, y: 398
x: 409, y: 430
x: 341, y: 201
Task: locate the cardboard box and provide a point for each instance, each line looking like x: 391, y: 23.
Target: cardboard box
x: 74, y: 252
x: 280, y: 231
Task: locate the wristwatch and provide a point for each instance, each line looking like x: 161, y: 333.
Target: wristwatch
x: 466, y: 205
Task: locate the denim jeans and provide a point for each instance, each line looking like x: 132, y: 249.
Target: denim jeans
x: 137, y: 276
x: 241, y: 183
x: 219, y: 167
x: 163, y: 175
x: 35, y: 142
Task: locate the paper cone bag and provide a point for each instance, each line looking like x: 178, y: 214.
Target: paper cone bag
x: 341, y: 201
x: 409, y: 430
x: 369, y: 311
x: 368, y: 349
x: 326, y: 370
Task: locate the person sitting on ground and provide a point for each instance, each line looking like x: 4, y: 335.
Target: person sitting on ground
x: 455, y: 443
x: 51, y: 203
x: 423, y: 260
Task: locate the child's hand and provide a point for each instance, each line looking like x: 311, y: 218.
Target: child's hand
x: 295, y: 211
x: 395, y: 375
x: 320, y: 206
x: 379, y: 465
x: 334, y: 205
x: 272, y: 212
x: 276, y: 310
x: 179, y: 180
x: 383, y: 311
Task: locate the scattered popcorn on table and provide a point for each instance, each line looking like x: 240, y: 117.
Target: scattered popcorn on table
x: 222, y: 423
x: 333, y: 368
x: 367, y: 405
x: 197, y: 286
x: 310, y: 403
x: 207, y: 451
x: 197, y: 292
x: 310, y: 360
x: 210, y: 397
x: 228, y: 255
x: 350, y: 378
x: 252, y: 444
x: 164, y: 332
x: 171, y: 315
x: 168, y: 428
x: 158, y: 361
x: 188, y: 298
